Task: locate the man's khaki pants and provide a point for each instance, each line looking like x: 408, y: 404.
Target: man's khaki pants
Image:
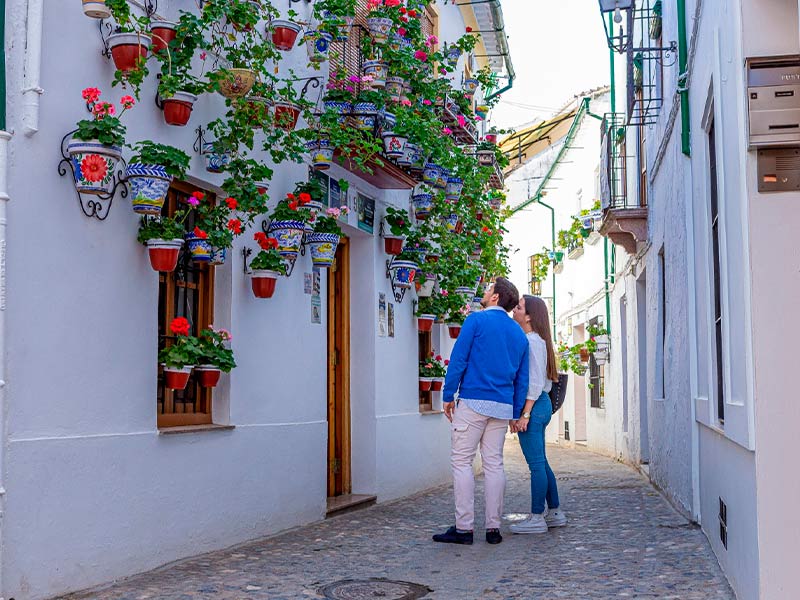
x: 469, y: 430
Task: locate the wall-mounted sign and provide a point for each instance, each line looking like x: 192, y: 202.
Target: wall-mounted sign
x: 366, y: 214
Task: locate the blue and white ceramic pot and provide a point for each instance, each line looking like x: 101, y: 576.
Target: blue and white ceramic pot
x: 343, y: 109
x: 379, y: 28
x: 318, y: 45
x: 289, y: 235
x: 454, y: 187
x: 388, y: 121
x: 441, y: 180
x: 321, y: 152
x: 378, y: 70
x: 94, y: 165
x: 423, y: 204
x: 430, y: 174
x: 395, y: 86
x: 452, y: 56
x: 403, y: 273
x: 199, y: 249
x: 218, y: 256
x: 451, y: 222
x: 149, y: 185
x: 323, y: 248
x: 398, y: 42
x: 215, y: 161
x: 394, y: 145
x: 344, y: 26
x: 364, y: 115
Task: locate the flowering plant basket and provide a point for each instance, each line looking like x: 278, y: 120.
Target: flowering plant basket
x: 185, y: 350
x: 104, y: 126
x: 214, y: 351
x: 329, y: 223
x: 268, y: 259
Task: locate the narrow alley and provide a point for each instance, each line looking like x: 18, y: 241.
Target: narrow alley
x: 623, y: 540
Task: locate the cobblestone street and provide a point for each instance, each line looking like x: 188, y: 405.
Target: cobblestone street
x: 622, y: 540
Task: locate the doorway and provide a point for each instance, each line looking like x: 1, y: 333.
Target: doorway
x: 641, y: 328
x: 339, y: 480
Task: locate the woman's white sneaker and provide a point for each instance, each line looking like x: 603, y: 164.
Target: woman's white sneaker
x: 556, y: 518
x: 533, y: 524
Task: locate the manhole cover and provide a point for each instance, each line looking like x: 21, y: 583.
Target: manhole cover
x: 367, y: 589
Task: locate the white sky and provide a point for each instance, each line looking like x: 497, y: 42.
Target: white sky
x: 558, y: 49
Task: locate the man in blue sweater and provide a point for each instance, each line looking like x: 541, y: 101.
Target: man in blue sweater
x: 489, y: 370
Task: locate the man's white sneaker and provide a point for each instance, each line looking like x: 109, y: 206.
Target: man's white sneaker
x: 556, y: 518
x: 533, y: 524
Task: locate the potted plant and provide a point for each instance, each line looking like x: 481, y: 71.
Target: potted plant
x: 339, y: 95
x: 379, y: 23
x: 180, y: 356
x: 162, y: 32
x: 426, y: 374
x: 403, y: 270
x: 216, y: 221
x: 325, y: 239
x: 284, y: 32
x: 396, y: 220
x: 337, y: 16
x: 457, y: 315
x: 213, y: 357
x: 365, y: 110
x: 163, y: 237
x: 150, y: 172
x: 266, y: 267
x: 423, y: 205
x: 428, y: 309
x: 439, y: 371
x: 287, y: 109
x: 178, y: 96
x: 454, y: 187
x: 486, y: 154
x: 129, y: 45
x: 431, y: 173
x: 318, y: 45
x: 288, y: 224
x: 96, y: 147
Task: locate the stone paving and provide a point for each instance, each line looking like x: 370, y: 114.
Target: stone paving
x: 623, y: 541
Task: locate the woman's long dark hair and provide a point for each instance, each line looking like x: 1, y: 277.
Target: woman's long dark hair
x: 536, y: 309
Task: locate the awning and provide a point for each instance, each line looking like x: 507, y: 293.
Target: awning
x: 531, y: 141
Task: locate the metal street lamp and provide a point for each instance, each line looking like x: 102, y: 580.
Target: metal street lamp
x: 607, y: 7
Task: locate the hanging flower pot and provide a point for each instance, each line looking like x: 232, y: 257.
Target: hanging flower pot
x: 432, y: 256
x: 479, y: 215
x: 318, y: 45
x: 263, y: 283
x: 94, y: 165
x: 262, y: 187
x: 289, y: 235
x: 387, y: 122
x: 175, y: 378
x: 342, y: 29
x: 452, y: 55
x: 178, y: 108
x: 199, y: 248
x: 403, y: 273
x: 128, y: 49
x: 149, y: 185
x: 162, y: 32
x: 323, y: 248
x: 286, y: 115
x: 430, y: 174
x: 215, y: 161
x: 394, y: 145
x: 584, y: 353
x: 379, y: 28
x: 96, y: 9
x: 425, y: 384
x: 343, y: 109
x: 416, y: 157
x: 482, y: 111
x: 364, y: 114
x: 471, y: 85
x: 486, y: 158
x: 395, y: 87
x: 451, y: 222
x: 425, y: 290
x: 218, y: 256
x: 321, y: 152
x: 441, y: 180
x: 411, y: 154
x: 491, y: 138
x: 425, y: 322
x: 453, y: 329
x: 437, y: 384
x: 378, y: 71
x: 207, y: 375
x: 454, y: 187
x: 423, y: 205
x: 284, y: 34
x: 495, y: 202
x: 397, y: 42
x: 393, y: 244
x: 258, y: 109
x: 467, y: 291
x: 164, y: 254
x: 235, y: 82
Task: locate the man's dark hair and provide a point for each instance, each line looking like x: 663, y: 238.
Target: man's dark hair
x: 507, y: 292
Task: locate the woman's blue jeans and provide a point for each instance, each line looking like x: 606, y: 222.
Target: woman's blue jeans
x: 543, y: 482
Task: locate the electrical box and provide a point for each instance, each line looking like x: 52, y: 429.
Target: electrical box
x: 773, y: 89
x: 779, y: 170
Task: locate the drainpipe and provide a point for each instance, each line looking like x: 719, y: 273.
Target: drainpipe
x: 612, y: 68
x: 683, y: 80
x: 33, y: 66
x: 553, y: 248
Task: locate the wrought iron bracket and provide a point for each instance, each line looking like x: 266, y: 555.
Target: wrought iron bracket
x: 106, y: 29
x: 399, y: 293
x: 246, y: 252
x: 150, y: 7
x: 199, y: 140
x: 97, y: 205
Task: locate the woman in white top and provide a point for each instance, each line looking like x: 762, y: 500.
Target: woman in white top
x: 531, y: 314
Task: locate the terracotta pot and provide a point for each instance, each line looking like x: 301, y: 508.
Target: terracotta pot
x: 263, y: 283
x: 127, y: 49
x: 178, y: 108
x: 207, y: 375
x: 479, y: 216
x: 584, y: 355
x: 164, y: 254
x: 393, y: 245
x: 453, y: 330
x: 286, y: 115
x: 284, y: 34
x: 425, y: 384
x: 96, y: 9
x: 176, y: 379
x: 425, y: 322
x: 437, y: 384
x: 163, y: 33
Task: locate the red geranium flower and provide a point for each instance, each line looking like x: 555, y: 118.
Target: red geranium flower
x: 290, y: 197
x: 235, y: 225
x: 231, y: 202
x: 259, y: 235
x: 273, y: 242
x: 91, y: 95
x: 293, y: 205
x: 412, y: 13
x: 305, y: 198
x: 179, y: 326
x: 198, y: 195
x: 94, y: 168
x: 447, y: 362
x: 469, y: 29
x: 200, y: 233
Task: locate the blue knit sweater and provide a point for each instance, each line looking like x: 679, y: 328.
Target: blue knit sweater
x: 489, y: 361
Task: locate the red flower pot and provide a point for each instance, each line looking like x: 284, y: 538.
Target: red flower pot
x: 207, y: 375
x: 284, y: 34
x: 437, y: 385
x: 459, y: 227
x: 263, y: 283
x: 163, y: 33
x: 584, y: 355
x: 286, y: 115
x: 127, y: 49
x: 164, y: 254
x: 178, y: 108
x: 454, y: 330
x: 176, y: 379
x: 393, y: 245
x: 425, y: 384
x: 425, y: 322
x: 479, y: 216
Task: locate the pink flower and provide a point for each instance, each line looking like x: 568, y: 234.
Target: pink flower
x: 91, y: 94
x: 405, y: 102
x: 333, y: 212
x: 203, y: 55
x: 443, y: 71
x: 226, y: 335
x: 392, y: 2
x: 127, y: 101
x: 192, y: 201
x: 427, y: 102
x: 432, y: 40
x: 462, y: 120
x: 421, y: 55
x: 354, y: 78
x: 445, y: 293
x: 401, y: 31
x: 447, y: 131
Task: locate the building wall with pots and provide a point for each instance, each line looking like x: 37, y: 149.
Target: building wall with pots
x: 94, y: 490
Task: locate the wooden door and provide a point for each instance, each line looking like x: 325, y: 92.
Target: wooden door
x: 339, y: 372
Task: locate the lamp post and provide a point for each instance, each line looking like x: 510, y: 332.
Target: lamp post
x: 615, y: 7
